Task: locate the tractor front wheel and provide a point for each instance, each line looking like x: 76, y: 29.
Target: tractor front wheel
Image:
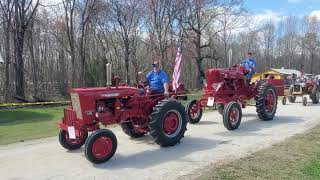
x: 72, y: 144
x: 291, y: 97
x: 266, y: 102
x: 284, y: 100
x: 232, y: 115
x: 100, y: 146
x: 194, y: 111
x: 129, y: 130
x: 168, y: 123
x: 304, y: 101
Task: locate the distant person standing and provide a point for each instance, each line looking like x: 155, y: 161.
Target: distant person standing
x: 249, y: 65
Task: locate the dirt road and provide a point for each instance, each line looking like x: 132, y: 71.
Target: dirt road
x: 205, y: 143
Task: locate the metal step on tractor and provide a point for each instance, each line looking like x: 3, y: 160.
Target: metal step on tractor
x: 229, y: 90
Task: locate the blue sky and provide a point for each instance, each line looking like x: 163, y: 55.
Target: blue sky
x: 275, y: 10
x: 287, y: 7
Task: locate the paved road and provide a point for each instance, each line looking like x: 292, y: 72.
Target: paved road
x: 205, y: 143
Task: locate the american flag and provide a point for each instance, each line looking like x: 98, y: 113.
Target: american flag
x: 216, y: 86
x: 177, y: 69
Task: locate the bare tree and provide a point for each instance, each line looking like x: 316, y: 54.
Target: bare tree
x: 69, y: 10
x: 160, y: 21
x: 24, y: 11
x: 268, y: 42
x: 126, y: 18
x: 7, y: 10
x: 197, y: 16
x: 311, y: 39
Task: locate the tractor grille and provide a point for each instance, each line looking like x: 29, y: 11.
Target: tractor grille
x: 69, y: 117
x: 296, y: 88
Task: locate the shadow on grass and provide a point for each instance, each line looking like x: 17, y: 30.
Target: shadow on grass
x: 19, y: 117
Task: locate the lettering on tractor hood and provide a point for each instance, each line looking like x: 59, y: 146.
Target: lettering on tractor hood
x: 110, y: 95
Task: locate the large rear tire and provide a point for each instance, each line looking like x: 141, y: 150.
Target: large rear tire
x: 314, y: 96
x: 266, y: 102
x: 194, y: 112
x: 291, y: 97
x: 72, y: 144
x: 168, y: 123
x: 232, y: 115
x: 129, y: 130
x: 100, y: 146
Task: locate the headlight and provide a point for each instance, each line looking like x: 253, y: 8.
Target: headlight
x: 76, y: 104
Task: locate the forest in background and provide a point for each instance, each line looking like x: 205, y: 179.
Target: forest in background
x: 50, y: 47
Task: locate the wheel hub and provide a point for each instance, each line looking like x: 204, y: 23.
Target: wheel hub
x: 234, y: 116
x: 102, y: 147
x: 270, y: 101
x: 172, y: 123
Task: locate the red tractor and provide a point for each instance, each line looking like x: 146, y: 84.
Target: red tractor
x: 229, y: 89
x: 133, y: 108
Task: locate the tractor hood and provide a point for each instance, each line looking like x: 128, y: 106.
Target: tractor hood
x: 105, y: 92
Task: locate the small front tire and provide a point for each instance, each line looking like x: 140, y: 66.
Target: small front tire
x: 284, y: 100
x: 194, y: 112
x: 101, y: 146
x: 232, y: 115
x: 304, y: 101
x: 72, y: 144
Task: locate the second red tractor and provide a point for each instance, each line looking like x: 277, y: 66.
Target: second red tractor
x: 229, y: 90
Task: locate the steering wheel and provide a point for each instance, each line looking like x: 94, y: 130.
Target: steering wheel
x: 142, y: 84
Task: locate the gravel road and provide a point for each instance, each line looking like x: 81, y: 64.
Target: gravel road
x: 205, y: 143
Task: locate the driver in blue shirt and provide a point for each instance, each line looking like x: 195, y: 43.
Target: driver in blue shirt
x: 157, y: 80
x: 249, y: 64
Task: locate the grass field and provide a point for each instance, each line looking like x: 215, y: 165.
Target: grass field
x: 18, y: 125
x: 296, y: 158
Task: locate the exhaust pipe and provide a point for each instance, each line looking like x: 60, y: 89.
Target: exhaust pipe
x: 108, y: 75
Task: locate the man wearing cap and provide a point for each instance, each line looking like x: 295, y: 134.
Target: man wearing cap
x: 249, y: 65
x: 157, y: 80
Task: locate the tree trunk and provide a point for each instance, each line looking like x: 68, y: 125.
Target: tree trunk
x: 19, y: 63
x: 199, y: 60
x: 7, y: 57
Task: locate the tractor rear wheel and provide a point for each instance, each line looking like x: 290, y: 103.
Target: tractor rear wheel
x: 168, y: 122
x: 194, y: 112
x: 72, y: 144
x: 129, y: 130
x: 266, y: 102
x: 100, y: 146
x: 291, y: 97
x: 314, y: 96
x: 232, y: 115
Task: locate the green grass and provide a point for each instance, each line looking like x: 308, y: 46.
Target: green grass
x: 296, y: 158
x: 18, y: 125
